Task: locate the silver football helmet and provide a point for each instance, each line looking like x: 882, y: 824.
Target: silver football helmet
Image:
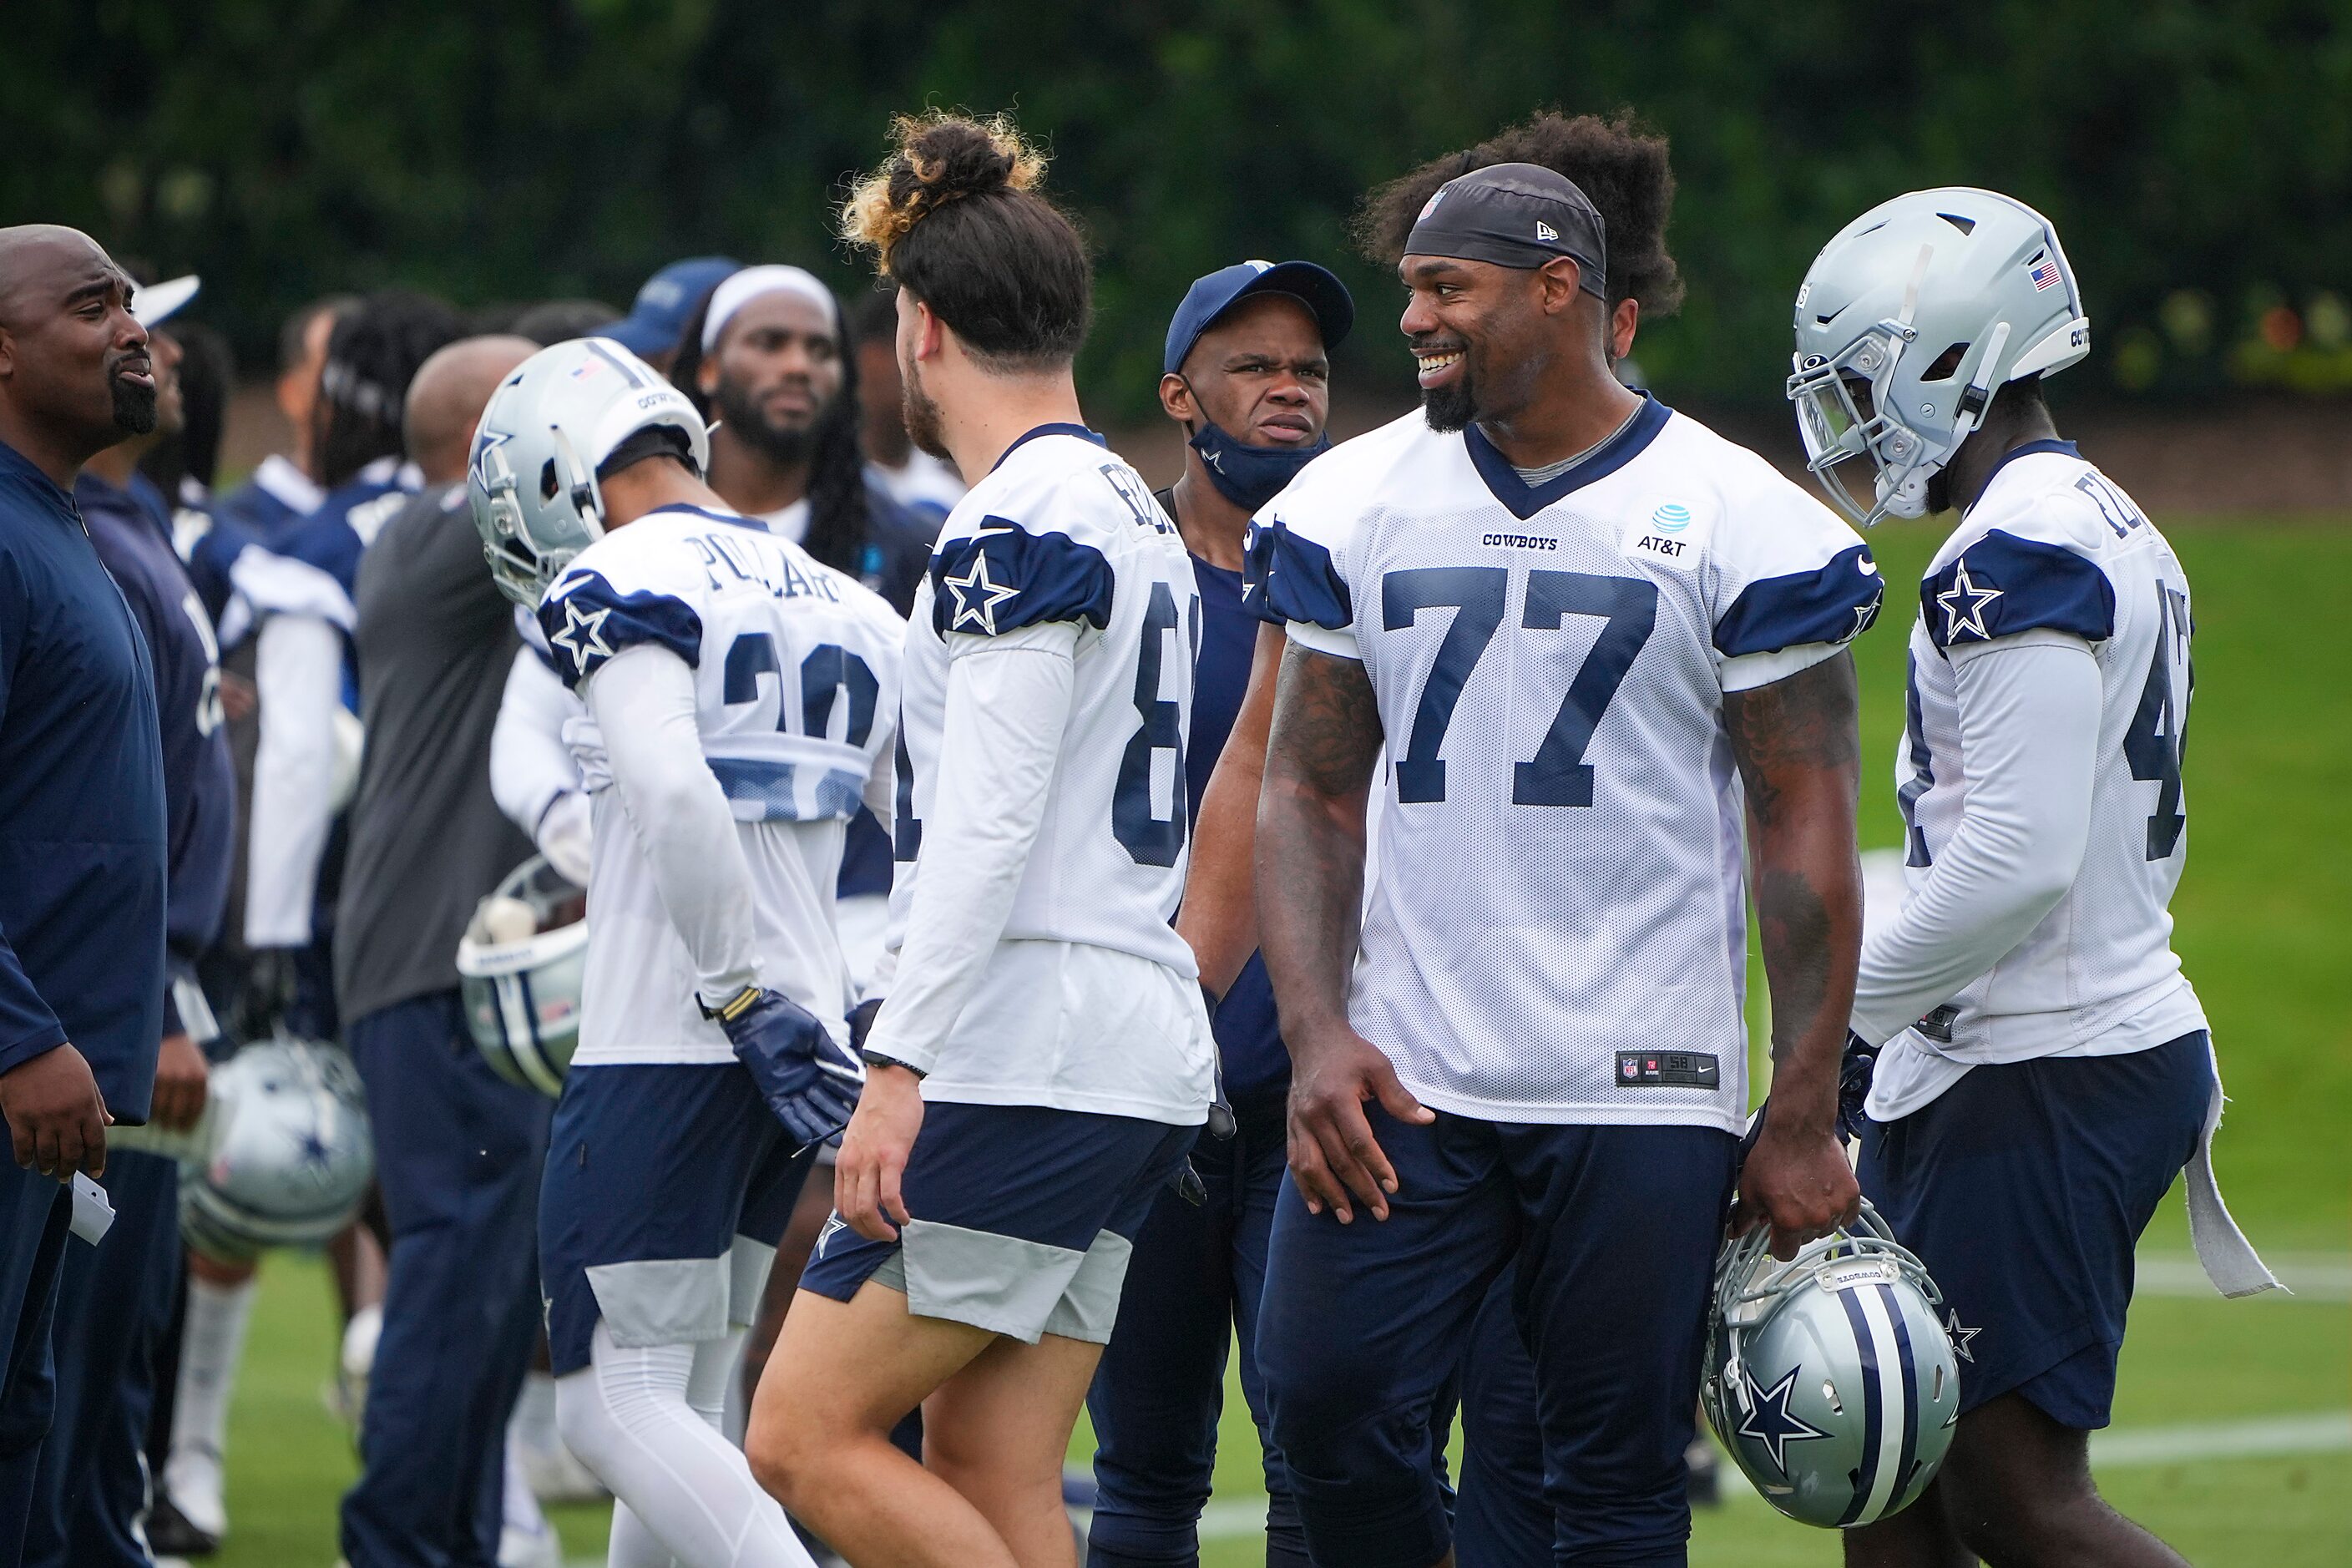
x: 520, y: 967
x: 1829, y: 1378
x: 1909, y: 321
x: 283, y: 1155
x: 547, y: 430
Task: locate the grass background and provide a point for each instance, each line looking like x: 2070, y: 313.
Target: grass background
x: 2266, y: 929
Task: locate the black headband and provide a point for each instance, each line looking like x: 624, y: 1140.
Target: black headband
x: 1515, y: 215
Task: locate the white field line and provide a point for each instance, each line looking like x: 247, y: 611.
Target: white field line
x: 2325, y: 1432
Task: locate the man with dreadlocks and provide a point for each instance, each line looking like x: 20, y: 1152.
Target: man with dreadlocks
x: 766, y: 360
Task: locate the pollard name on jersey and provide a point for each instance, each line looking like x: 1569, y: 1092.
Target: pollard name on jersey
x: 796, y: 683
x: 2052, y: 548
x: 1556, y: 931
x: 1062, y: 530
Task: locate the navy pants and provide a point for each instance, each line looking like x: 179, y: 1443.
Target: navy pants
x: 459, y: 1153
x: 34, y: 1213
x: 1614, y: 1232
x: 113, y: 1304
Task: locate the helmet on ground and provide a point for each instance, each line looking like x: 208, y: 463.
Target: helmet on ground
x: 1829, y: 1378
x: 1907, y: 324
x: 286, y: 1154
x: 520, y: 967
x: 548, y: 430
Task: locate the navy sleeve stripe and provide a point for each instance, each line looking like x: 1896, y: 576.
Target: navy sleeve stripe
x: 2001, y: 586
x: 1834, y: 604
x: 592, y: 622
x: 1288, y: 578
x: 1005, y: 577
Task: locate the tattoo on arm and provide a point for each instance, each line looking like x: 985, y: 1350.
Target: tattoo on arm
x: 1310, y: 832
x: 1796, y: 746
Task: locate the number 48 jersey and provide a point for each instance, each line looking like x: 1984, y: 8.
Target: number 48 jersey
x: 2052, y: 548
x: 1556, y: 929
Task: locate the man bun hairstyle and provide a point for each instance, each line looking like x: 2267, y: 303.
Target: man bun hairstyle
x: 1620, y: 162
x: 955, y: 216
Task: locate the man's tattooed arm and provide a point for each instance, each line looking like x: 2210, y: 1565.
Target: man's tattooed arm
x: 1796, y: 745
x: 1310, y: 831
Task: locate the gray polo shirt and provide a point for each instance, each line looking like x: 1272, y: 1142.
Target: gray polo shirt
x: 427, y: 841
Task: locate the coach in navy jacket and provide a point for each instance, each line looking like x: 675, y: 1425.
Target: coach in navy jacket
x: 81, y: 797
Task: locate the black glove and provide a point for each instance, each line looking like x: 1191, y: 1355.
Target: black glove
x: 1854, y: 1070
x: 810, y: 1083
x: 1187, y: 1183
x: 267, y: 995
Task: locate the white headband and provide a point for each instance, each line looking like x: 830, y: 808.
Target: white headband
x: 742, y: 288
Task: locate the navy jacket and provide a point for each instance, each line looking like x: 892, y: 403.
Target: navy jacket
x: 132, y: 530
x: 82, y: 835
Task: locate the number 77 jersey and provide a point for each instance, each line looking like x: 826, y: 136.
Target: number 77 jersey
x: 1556, y: 929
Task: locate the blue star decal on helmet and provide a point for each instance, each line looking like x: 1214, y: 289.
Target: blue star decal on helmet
x: 1960, y: 1336
x: 491, y: 442
x: 977, y: 597
x: 1964, y: 606
x: 314, y: 1151
x: 582, y: 636
x: 1770, y: 1422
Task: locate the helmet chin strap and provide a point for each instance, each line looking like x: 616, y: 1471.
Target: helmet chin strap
x: 1909, y: 498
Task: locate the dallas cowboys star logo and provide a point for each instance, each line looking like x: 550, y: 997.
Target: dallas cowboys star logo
x: 491, y: 441
x: 977, y: 596
x: 1964, y: 606
x: 314, y: 1151
x: 1770, y: 1422
x: 582, y: 636
x: 1960, y: 1337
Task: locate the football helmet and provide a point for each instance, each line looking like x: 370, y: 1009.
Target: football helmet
x: 1909, y: 320
x: 548, y: 428
x: 520, y: 967
x: 283, y: 1155
x: 1829, y: 1378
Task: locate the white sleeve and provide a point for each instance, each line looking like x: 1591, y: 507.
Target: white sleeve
x: 2028, y: 738
x: 298, y: 669
x: 530, y: 767
x: 643, y: 702
x: 1008, y: 704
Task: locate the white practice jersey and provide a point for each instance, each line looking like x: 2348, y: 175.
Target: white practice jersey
x: 796, y: 687
x: 2053, y: 550
x: 1064, y: 535
x: 1557, y: 930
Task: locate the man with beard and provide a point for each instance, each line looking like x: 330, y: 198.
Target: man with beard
x: 1526, y: 1046
x: 82, y: 841
x: 925, y: 486
x: 766, y: 361
x: 116, y: 1300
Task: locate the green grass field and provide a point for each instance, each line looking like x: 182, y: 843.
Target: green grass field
x: 2233, y: 1435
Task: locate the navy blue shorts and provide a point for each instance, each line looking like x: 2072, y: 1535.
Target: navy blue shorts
x: 666, y: 1190
x: 2024, y: 1188
x: 1021, y: 1219
x: 1613, y: 1231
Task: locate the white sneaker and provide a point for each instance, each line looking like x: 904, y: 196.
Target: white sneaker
x: 192, y: 1477
x: 348, y: 1398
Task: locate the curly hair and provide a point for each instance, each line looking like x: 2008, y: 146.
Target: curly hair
x: 840, y: 519
x: 375, y: 351
x: 956, y: 216
x: 1620, y: 162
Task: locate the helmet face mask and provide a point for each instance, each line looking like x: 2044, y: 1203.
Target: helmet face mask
x: 521, y: 991
x: 1829, y: 1379
x: 1909, y: 322
x: 551, y: 425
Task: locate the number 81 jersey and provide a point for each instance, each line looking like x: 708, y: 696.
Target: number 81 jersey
x: 1063, y: 532
x: 1556, y: 929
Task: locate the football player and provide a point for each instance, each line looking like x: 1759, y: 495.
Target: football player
x: 1593, y: 637
x: 1043, y: 1058
x: 740, y: 707
x: 2043, y: 1069
x: 292, y: 598
x: 925, y: 486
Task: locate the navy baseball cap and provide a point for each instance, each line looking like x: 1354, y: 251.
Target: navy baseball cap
x: 658, y: 316
x: 1325, y: 297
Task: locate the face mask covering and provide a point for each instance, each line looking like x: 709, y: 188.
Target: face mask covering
x: 1249, y: 477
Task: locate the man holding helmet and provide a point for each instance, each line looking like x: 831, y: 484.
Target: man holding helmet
x: 2043, y: 1066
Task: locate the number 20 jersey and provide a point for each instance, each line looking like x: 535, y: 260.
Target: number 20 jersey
x: 1556, y: 932
x: 1064, y: 531
x: 2052, y: 549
